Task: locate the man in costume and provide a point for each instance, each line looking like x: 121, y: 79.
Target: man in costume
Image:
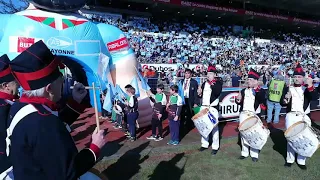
x: 8, y: 92
x: 39, y: 144
x: 210, y: 92
x: 251, y: 100
x: 297, y: 98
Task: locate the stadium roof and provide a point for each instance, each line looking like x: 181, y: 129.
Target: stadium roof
x: 310, y: 7
x: 305, y: 6
x: 169, y: 10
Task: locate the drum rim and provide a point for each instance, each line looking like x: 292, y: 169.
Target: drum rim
x: 293, y: 125
x: 201, y: 113
x: 247, y: 120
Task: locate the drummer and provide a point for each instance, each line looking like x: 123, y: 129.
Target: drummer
x: 210, y: 91
x: 251, y: 100
x: 297, y: 98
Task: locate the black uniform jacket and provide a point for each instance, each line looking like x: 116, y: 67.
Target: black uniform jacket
x: 42, y: 148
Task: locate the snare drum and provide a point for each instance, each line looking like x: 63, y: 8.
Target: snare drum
x: 205, y: 121
x: 244, y: 115
x: 302, y: 139
x: 254, y: 132
x: 93, y: 174
x: 294, y: 117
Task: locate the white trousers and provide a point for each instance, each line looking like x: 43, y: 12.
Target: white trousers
x: 215, y: 132
x: 301, y: 160
x: 215, y: 139
x: 246, y: 150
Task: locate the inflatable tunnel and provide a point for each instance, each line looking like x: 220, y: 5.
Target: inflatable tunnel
x: 98, y: 53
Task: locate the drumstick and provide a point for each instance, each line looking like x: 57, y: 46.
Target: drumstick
x: 95, y: 106
x: 289, y: 81
x: 86, y: 87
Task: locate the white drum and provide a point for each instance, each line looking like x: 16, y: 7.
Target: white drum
x: 294, y: 117
x: 93, y: 174
x: 254, y: 132
x: 302, y: 139
x: 205, y: 121
x: 244, y: 115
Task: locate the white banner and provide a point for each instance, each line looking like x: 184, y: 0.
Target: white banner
x: 169, y: 67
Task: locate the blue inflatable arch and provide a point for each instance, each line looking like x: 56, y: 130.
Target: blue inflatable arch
x: 84, y: 74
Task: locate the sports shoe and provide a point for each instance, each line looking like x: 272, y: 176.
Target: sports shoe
x: 175, y: 143
x: 127, y: 133
x: 170, y: 142
x: 158, y: 139
x: 132, y: 139
x: 152, y: 137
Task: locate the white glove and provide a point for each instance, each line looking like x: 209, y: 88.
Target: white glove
x: 79, y: 92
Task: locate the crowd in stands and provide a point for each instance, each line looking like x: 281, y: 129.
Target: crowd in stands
x: 202, y: 43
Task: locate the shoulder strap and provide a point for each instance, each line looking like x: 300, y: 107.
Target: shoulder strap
x: 8, y: 101
x: 23, y: 112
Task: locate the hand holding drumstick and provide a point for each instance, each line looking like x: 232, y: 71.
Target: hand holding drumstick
x: 239, y: 98
x: 287, y: 97
x: 199, y: 91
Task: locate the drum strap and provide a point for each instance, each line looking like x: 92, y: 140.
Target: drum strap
x: 23, y: 112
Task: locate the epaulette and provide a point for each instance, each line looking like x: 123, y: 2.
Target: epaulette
x: 41, y: 110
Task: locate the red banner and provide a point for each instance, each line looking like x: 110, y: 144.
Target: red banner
x: 238, y: 11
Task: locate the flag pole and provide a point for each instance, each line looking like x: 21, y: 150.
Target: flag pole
x: 95, y: 106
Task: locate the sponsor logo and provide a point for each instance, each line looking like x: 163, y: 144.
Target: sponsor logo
x: 275, y: 86
x: 233, y: 99
x: 24, y: 43
x: 228, y: 108
x: 20, y: 44
x: 61, y: 51
x: 158, y: 68
x: 117, y: 45
x: 59, y: 42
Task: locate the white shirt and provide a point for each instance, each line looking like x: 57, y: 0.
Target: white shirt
x: 207, y: 96
x: 249, y: 100
x: 297, y: 94
x: 187, y: 84
x: 131, y: 101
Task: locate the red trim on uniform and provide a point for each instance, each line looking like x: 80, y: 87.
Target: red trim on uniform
x: 212, y: 82
x: 39, y: 100
x: 310, y: 89
x: 95, y: 149
x: 211, y: 68
x: 254, y: 74
x: 23, y: 78
x: 75, y: 105
x: 263, y: 107
x: 257, y: 89
x: 7, y: 96
x: 5, y: 72
x: 299, y: 70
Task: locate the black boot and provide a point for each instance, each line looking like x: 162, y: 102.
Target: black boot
x: 202, y: 149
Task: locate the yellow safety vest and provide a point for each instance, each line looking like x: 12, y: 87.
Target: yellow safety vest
x: 275, y: 90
